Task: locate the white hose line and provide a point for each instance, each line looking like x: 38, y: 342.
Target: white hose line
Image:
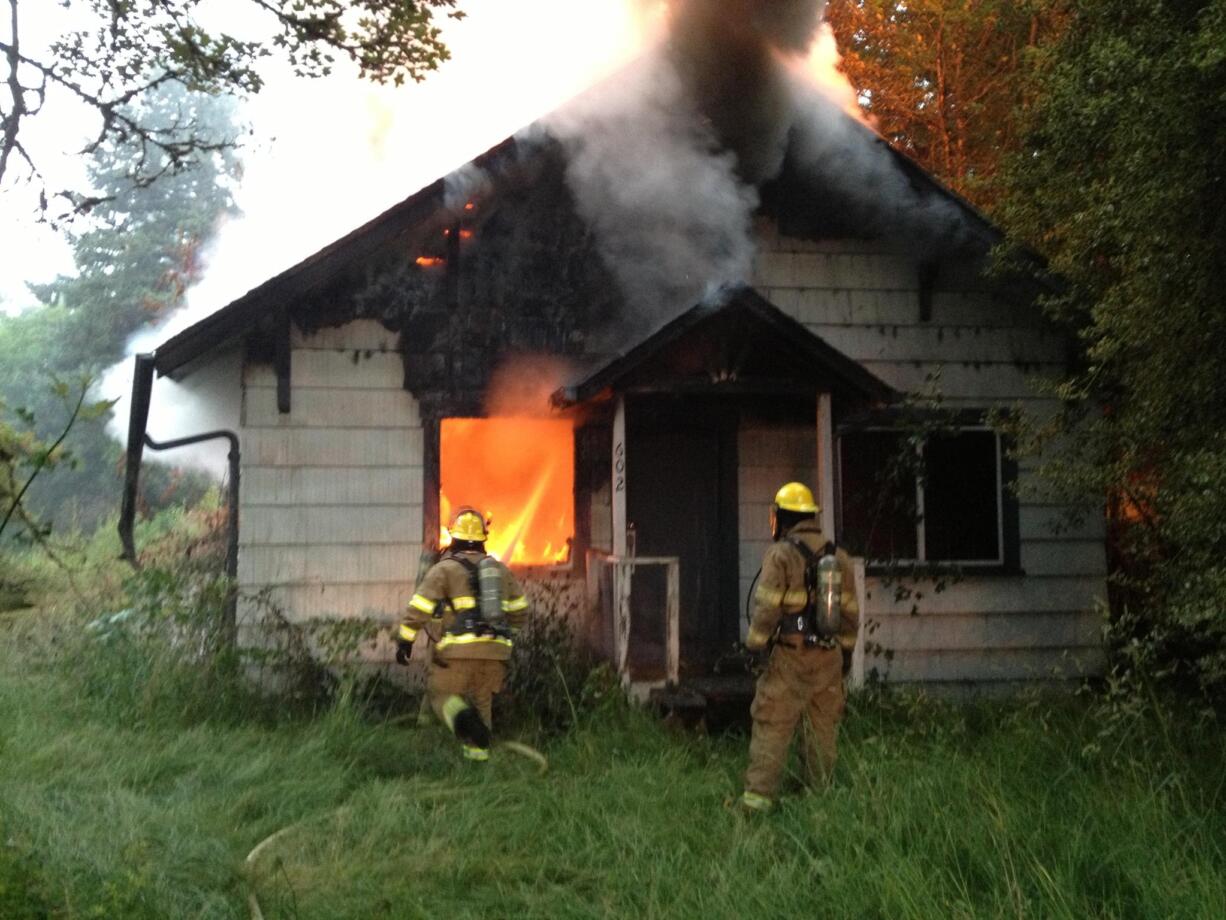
x: 253, y: 903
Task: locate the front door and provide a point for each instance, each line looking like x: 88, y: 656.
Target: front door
x: 681, y: 500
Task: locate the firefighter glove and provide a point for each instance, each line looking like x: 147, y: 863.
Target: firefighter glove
x: 404, y: 651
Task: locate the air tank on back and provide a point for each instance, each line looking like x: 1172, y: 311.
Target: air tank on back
x: 489, y: 590
x: 829, y: 594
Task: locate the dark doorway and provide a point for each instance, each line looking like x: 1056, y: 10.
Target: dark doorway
x: 682, y: 500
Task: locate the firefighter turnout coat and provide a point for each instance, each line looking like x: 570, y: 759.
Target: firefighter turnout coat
x: 447, y: 597
x: 802, y: 685
x: 781, y: 587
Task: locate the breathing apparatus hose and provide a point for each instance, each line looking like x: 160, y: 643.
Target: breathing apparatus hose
x: 749, y: 595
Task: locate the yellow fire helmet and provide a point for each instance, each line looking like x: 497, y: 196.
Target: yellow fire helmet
x: 795, y: 496
x: 468, y: 525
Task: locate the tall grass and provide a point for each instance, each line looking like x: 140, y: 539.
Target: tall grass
x: 119, y: 804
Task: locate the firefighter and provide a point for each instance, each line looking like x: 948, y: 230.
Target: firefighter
x: 806, y: 615
x: 480, y: 606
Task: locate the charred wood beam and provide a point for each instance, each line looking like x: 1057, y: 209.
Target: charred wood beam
x: 430, y: 481
x: 453, y: 266
x: 690, y: 387
x: 282, y: 359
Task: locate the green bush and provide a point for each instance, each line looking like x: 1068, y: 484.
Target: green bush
x: 547, y: 685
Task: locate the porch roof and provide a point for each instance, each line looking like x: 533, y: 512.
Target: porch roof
x: 737, y: 342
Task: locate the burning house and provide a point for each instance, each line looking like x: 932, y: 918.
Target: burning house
x: 618, y: 333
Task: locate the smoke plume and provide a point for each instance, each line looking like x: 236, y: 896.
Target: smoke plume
x: 666, y: 160
x: 670, y: 215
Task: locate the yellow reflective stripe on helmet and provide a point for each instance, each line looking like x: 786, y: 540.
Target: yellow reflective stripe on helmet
x: 463, y: 603
x: 469, y: 639
x: 775, y: 597
x: 423, y: 603
x: 515, y: 604
x: 408, y: 633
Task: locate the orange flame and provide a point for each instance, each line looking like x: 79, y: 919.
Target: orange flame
x: 430, y: 261
x: 520, y: 473
x: 821, y: 67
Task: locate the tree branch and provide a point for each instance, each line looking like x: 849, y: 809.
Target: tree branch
x: 13, y: 118
x: 46, y: 454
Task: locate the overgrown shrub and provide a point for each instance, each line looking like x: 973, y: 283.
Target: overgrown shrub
x: 548, y: 679
x: 316, y: 663
x: 164, y: 655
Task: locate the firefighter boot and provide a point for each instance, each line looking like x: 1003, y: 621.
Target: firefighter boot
x: 466, y: 723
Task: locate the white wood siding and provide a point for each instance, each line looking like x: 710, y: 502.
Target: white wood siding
x: 331, y: 505
x: 978, y: 350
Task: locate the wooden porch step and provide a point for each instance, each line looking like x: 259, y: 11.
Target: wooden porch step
x: 715, y: 703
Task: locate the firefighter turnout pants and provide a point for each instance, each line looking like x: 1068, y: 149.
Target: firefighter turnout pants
x: 800, y: 686
x: 474, y: 679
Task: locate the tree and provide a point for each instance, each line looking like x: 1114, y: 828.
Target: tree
x: 942, y: 78
x: 24, y: 456
x: 135, y: 257
x: 140, y: 250
x: 128, y: 52
x: 1121, y: 183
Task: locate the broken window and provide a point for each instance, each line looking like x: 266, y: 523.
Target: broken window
x: 935, y: 499
x: 520, y: 472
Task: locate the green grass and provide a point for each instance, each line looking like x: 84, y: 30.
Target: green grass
x: 134, y: 805
x: 984, y: 811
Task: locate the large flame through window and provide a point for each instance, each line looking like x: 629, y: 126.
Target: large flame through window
x: 521, y: 473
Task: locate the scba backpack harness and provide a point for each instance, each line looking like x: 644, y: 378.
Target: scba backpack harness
x: 819, y: 622
x: 485, y: 582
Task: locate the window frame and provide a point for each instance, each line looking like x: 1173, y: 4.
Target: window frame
x: 1007, y: 561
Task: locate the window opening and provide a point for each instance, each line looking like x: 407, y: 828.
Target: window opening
x: 938, y: 501
x: 520, y: 472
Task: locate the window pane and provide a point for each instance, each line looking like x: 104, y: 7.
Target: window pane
x: 877, y: 475
x: 961, y: 498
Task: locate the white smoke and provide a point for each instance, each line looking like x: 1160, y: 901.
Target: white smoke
x: 664, y: 160
x: 327, y: 155
x: 670, y: 215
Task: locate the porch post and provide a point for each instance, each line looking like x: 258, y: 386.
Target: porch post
x: 619, y: 478
x: 825, y: 462
x: 623, y: 569
x: 857, y: 675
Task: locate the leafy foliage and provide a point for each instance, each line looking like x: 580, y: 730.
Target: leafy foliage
x: 133, y: 264
x: 1120, y: 183
x: 117, y: 55
x: 24, y: 456
x: 941, y: 78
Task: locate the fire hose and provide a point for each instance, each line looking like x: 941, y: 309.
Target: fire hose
x: 251, y: 863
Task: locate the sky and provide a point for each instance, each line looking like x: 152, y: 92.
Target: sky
x: 326, y: 155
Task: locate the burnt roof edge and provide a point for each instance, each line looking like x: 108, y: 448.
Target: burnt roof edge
x: 240, y: 315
